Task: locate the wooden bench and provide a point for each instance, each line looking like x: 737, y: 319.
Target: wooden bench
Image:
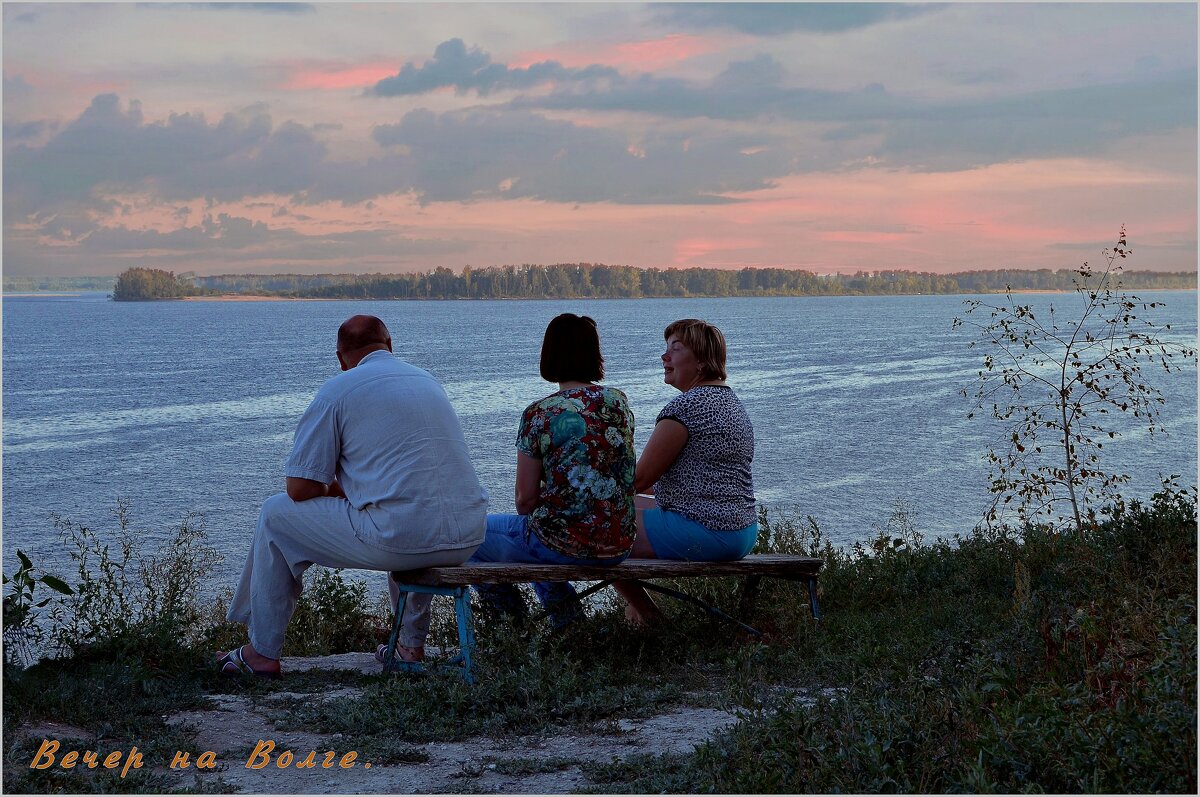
x: 456, y: 582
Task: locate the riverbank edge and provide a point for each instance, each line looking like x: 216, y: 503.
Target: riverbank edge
x: 1007, y: 661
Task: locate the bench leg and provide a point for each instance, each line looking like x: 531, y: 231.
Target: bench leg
x: 749, y: 595
x: 713, y: 611
x: 462, y: 616
x: 812, y: 599
x: 466, y: 631
x: 589, y: 591
x: 390, y: 662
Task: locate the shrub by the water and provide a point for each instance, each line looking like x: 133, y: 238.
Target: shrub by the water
x: 134, y: 603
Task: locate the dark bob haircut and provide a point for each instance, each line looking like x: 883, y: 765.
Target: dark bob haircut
x: 571, y: 350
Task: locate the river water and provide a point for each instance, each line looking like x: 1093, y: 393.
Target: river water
x: 191, y: 406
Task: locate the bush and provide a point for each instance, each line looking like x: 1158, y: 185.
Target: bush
x: 333, y: 615
x: 137, y: 604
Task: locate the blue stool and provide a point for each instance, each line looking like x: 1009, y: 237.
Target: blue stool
x: 466, y: 632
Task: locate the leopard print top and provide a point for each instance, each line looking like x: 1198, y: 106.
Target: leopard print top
x: 710, y: 482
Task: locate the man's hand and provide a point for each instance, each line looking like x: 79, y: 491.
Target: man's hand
x: 304, y: 489
x: 336, y: 491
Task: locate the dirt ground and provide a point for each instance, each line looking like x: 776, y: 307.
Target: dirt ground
x: 468, y: 766
x: 544, y: 764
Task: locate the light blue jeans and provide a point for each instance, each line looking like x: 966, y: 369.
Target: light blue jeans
x: 673, y: 536
x: 510, y: 540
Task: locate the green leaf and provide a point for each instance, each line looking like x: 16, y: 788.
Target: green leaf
x: 57, y: 584
x: 24, y: 559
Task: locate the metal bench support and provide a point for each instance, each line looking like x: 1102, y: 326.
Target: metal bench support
x: 812, y: 598
x: 466, y: 631
x: 454, y: 581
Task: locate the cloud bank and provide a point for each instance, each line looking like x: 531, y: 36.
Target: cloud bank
x: 454, y: 66
x: 130, y: 132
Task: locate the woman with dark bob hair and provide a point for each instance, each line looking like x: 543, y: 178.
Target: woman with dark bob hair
x: 694, y: 483
x: 575, y: 472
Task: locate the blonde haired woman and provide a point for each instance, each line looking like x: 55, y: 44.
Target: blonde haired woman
x: 696, y: 465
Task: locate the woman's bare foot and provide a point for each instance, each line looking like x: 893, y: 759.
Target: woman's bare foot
x: 642, y: 620
x: 640, y: 610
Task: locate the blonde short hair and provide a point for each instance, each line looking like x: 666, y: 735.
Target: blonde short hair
x: 705, y: 341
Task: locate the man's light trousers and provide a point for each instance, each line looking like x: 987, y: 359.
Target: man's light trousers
x: 292, y: 536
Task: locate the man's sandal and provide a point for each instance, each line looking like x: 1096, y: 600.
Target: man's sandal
x: 404, y: 654
x: 233, y: 665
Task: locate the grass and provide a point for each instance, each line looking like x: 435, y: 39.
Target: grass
x: 1007, y: 661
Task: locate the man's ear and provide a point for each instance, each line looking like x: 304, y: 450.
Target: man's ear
x: 388, y: 343
x: 342, y: 362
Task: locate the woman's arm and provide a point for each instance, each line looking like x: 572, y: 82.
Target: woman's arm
x: 662, y: 449
x: 529, y: 482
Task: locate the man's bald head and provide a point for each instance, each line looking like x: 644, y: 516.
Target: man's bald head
x: 360, y: 335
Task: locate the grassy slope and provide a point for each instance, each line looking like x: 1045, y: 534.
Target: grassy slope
x: 1031, y: 662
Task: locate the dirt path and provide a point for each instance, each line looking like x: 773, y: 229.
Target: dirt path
x: 521, y: 765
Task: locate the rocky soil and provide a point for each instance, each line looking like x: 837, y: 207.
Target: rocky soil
x: 520, y: 765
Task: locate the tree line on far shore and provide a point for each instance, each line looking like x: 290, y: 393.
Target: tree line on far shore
x: 599, y: 281
x: 147, y: 284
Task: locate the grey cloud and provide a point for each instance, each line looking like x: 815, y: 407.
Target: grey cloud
x: 487, y: 154
x: 232, y: 243
x: 358, y: 181
x: 224, y: 232
x: 514, y: 151
x: 265, y: 8
x: 979, y: 77
x: 762, y: 70
x: 22, y: 130
x: 67, y: 224
x: 925, y: 134
x: 184, y: 157
x: 453, y: 65
x: 744, y: 90
x: 1064, y: 122
x: 220, y: 232
x: 1172, y: 253
x: 767, y: 19
x: 16, y: 87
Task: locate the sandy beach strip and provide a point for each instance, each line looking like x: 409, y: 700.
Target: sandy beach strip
x: 246, y: 297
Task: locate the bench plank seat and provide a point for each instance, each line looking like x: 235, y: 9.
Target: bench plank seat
x: 776, y: 565
x: 456, y: 582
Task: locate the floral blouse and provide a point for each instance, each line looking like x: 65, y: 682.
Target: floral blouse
x: 584, y: 438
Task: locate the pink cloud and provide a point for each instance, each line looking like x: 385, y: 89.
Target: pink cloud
x: 1013, y: 215
x: 646, y: 55
x: 701, y: 250
x: 337, y: 76
x: 51, y: 82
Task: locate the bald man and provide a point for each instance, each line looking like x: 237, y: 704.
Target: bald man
x: 378, y: 479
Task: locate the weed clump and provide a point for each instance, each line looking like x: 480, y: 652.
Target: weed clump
x: 129, y: 603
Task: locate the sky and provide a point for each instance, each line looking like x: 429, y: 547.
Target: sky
x: 394, y: 137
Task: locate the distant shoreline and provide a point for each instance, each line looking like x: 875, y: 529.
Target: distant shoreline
x: 247, y: 297
x: 242, y: 297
